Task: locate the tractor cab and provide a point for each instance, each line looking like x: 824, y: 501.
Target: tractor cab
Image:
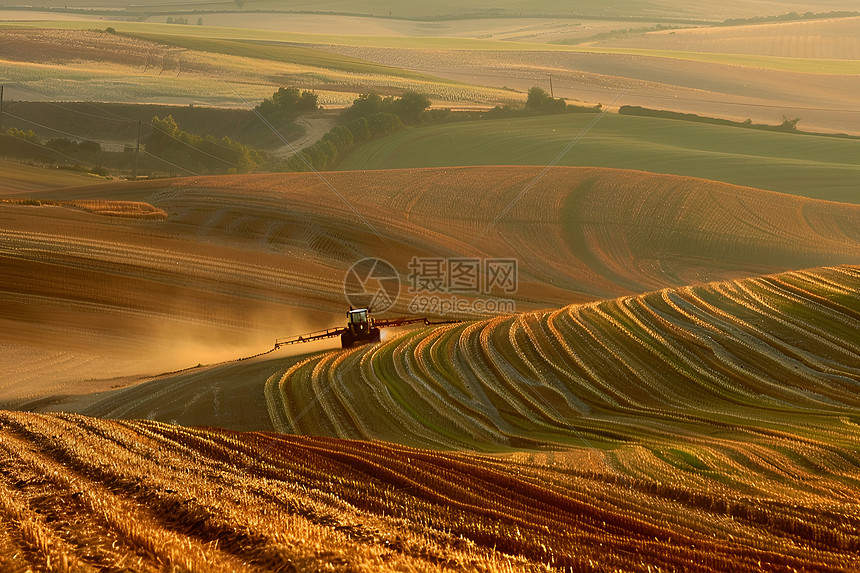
x: 359, y: 328
x: 357, y: 321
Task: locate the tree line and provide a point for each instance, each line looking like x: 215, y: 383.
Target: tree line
x: 370, y: 116
x: 169, y: 147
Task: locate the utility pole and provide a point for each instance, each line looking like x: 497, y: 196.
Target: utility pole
x: 1, y: 109
x: 136, y: 151
x: 552, y: 95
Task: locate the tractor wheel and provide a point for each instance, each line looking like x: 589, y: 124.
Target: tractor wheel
x: 375, y: 335
x: 346, y: 340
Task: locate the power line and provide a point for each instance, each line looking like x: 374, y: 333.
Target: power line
x: 94, y: 106
x: 52, y: 150
x: 197, y: 149
x: 55, y: 130
x: 78, y: 136
x: 169, y: 163
x: 120, y: 120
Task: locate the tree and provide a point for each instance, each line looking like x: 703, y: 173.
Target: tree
x: 410, y: 106
x: 539, y: 100
x: 788, y: 124
x: 164, y: 131
x: 341, y: 137
x: 383, y: 123
x: 28, y: 135
x: 360, y: 129
x: 363, y: 106
x: 199, y: 154
x: 288, y: 102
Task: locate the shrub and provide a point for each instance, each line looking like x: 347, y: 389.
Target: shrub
x: 360, y: 129
x: 28, y: 135
x: 788, y: 124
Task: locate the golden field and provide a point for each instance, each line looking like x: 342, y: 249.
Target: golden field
x: 145, y: 496
x: 671, y: 386
x: 762, y: 72
x: 836, y: 39
x: 696, y: 427
x: 242, y: 260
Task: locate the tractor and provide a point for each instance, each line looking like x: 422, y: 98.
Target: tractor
x: 359, y: 328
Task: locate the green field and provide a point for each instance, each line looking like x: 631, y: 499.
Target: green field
x: 812, y: 166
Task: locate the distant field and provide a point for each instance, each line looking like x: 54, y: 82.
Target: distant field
x: 826, y: 66
x: 492, y: 8
x: 166, y: 65
x: 541, y: 30
x: 246, y: 64
x: 811, y: 166
x: 836, y: 39
x: 279, y: 52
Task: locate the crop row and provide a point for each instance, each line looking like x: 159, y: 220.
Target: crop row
x: 169, y: 497
x: 748, y: 349
x: 85, y: 494
x: 750, y: 384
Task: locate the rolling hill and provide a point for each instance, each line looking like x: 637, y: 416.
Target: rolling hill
x: 240, y: 261
x: 663, y: 376
x: 825, y: 38
x: 806, y: 165
x: 702, y: 427
x: 764, y: 361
